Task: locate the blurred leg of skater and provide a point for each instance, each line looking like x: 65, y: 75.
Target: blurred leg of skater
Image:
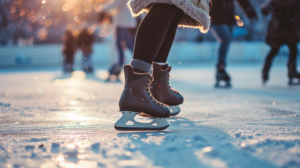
x: 223, y: 34
x: 130, y: 39
x: 293, y: 52
x: 85, y: 44
x: 292, y: 64
x: 283, y: 29
x: 124, y: 23
x: 87, y: 65
x: 68, y: 52
x: 268, y: 63
x: 126, y: 35
x: 121, y: 36
x: 68, y: 63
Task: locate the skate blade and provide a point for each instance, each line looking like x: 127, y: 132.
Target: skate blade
x: 264, y: 83
x: 174, y: 110
x: 223, y: 86
x: 127, y: 122
x: 294, y: 82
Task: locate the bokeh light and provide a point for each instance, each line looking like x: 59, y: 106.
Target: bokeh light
x: 45, y: 20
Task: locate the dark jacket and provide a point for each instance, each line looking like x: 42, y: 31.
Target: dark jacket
x: 85, y: 41
x: 222, y: 11
x: 284, y: 26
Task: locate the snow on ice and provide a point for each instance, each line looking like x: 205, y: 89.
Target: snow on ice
x: 51, y: 120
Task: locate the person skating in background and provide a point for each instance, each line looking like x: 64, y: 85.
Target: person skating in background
x: 69, y: 50
x: 284, y: 28
x: 151, y: 95
x: 124, y: 33
x: 222, y: 24
x: 85, y: 44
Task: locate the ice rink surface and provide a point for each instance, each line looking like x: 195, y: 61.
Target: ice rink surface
x: 51, y: 120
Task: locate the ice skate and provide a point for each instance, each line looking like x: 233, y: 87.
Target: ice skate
x: 115, y: 70
x: 222, y: 76
x: 87, y: 65
x: 137, y: 99
x: 88, y: 69
x: 162, y: 90
x: 265, y: 72
x: 294, y: 76
x: 127, y: 122
x: 68, y: 68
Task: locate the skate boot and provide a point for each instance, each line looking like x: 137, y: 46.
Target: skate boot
x: 88, y: 69
x: 293, y: 74
x: 68, y: 68
x: 137, y: 99
x: 222, y: 76
x: 265, y: 72
x: 115, y: 70
x: 162, y: 90
x: 87, y: 66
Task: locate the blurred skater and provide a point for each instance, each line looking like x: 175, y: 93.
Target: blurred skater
x: 125, y: 30
x: 222, y: 18
x: 69, y: 50
x: 284, y: 28
x: 85, y: 43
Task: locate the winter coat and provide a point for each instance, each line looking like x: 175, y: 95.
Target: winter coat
x: 122, y: 16
x: 222, y: 11
x: 196, y: 11
x: 284, y: 26
x: 85, y: 41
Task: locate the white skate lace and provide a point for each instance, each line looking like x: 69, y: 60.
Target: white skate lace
x: 148, y: 89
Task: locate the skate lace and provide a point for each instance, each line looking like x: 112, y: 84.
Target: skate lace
x: 148, y: 90
x: 173, y: 91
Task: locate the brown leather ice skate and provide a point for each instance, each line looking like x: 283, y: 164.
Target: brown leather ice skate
x: 137, y: 99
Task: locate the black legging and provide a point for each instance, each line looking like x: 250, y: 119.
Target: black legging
x: 293, y: 53
x: 156, y: 33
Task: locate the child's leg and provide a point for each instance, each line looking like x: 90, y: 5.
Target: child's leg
x: 151, y: 34
x: 165, y: 48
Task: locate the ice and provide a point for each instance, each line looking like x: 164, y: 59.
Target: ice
x: 71, y: 122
